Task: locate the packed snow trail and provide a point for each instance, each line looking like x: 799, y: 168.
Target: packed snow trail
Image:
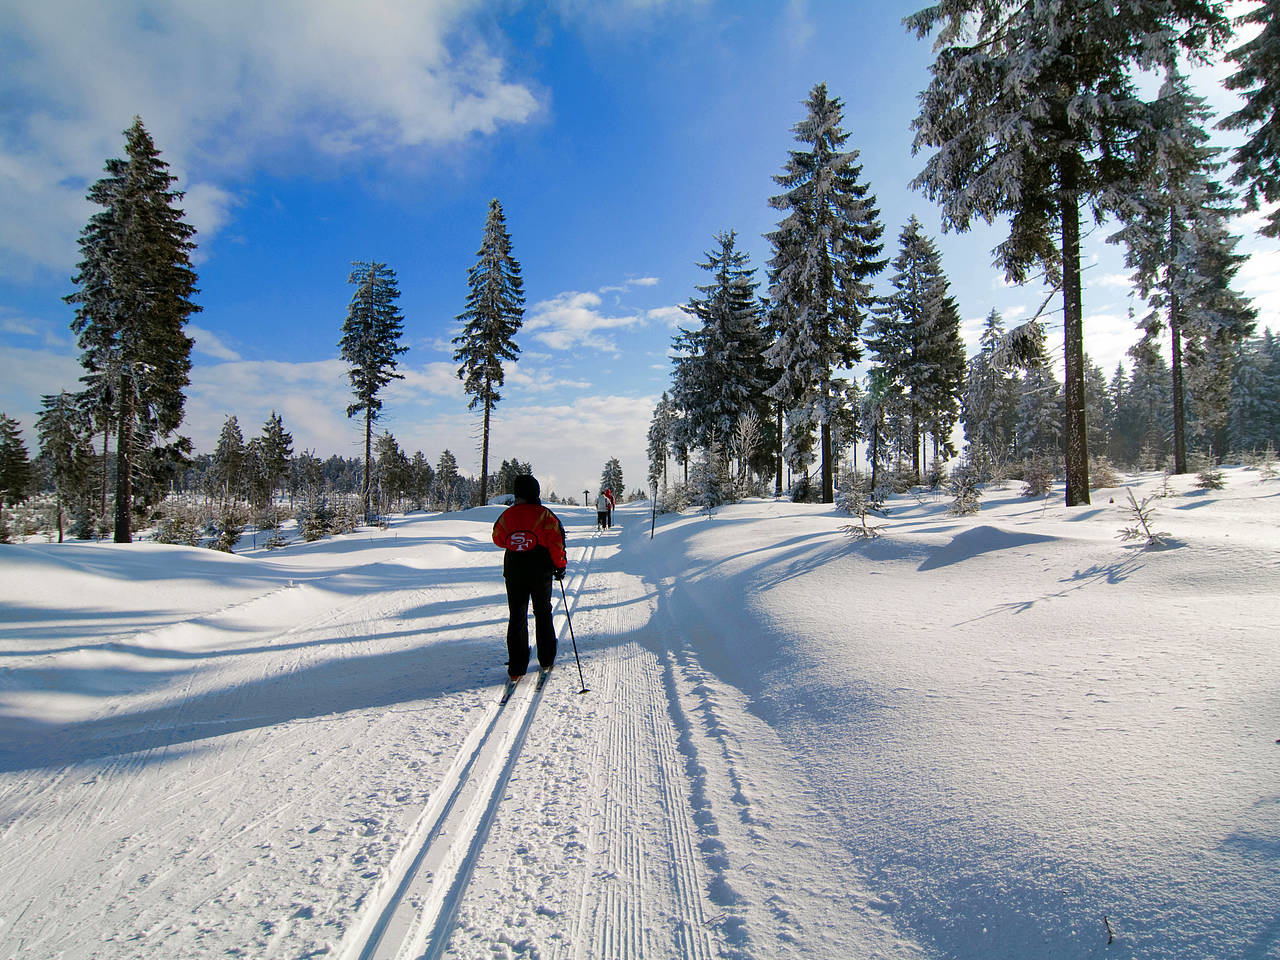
x: 414, y: 909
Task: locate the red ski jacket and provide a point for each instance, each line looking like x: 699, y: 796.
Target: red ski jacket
x: 529, y: 532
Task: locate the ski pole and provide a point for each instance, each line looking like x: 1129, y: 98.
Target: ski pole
x: 571, y: 638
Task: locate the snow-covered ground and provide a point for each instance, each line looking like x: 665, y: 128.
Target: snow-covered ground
x: 972, y: 738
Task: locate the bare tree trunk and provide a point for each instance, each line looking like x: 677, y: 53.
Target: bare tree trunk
x: 124, y: 468
x: 1175, y: 336
x: 484, y: 448
x: 1077, y: 444
x: 365, y: 484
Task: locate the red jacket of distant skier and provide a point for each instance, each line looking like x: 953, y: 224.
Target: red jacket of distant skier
x: 525, y: 528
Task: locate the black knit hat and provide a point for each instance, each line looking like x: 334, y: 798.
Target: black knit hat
x: 526, y: 488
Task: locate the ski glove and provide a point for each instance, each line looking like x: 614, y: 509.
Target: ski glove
x: 558, y: 573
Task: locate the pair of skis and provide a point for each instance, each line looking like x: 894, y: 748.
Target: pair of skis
x: 543, y: 673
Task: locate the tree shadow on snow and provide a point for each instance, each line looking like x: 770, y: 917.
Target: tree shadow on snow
x: 324, y: 689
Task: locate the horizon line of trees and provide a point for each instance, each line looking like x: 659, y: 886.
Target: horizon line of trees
x: 257, y: 482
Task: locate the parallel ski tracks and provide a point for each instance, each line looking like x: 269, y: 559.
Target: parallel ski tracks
x: 414, y: 907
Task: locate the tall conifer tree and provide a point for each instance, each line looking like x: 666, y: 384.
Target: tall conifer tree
x: 1034, y: 114
x: 826, y: 251
x: 1178, y: 244
x: 64, y: 443
x: 133, y: 298
x: 916, y: 337
x: 15, y: 469
x: 495, y: 311
x: 721, y: 372
x: 370, y: 344
x: 1258, y: 78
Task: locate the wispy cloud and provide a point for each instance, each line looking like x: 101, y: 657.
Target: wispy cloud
x: 574, y: 320
x: 210, y: 344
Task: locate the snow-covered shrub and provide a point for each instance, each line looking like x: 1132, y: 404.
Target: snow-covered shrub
x: 347, y: 518
x: 1211, y: 478
x: 1102, y: 474
x: 804, y: 490
x: 1264, y: 462
x: 1141, y: 515
x: 82, y: 523
x: 315, y: 518
x: 229, y: 524
x: 709, y: 482
x: 965, y: 491
x: 855, y: 497
x: 179, y: 527
x: 674, y: 499
x: 1037, y: 478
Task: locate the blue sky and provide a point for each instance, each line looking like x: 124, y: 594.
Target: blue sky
x: 620, y: 135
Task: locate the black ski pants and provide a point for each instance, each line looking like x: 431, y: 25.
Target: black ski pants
x: 520, y: 590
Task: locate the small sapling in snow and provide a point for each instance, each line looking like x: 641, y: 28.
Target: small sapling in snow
x: 1141, y: 515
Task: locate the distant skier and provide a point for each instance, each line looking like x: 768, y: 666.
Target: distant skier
x: 602, y: 511
x: 533, y: 538
x: 608, y: 494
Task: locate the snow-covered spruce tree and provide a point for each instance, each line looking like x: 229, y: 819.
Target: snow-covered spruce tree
x: 277, y: 448
x: 1037, y: 411
x: 1034, y: 114
x: 64, y: 444
x: 611, y: 478
x: 1098, y: 413
x: 16, y: 476
x: 1146, y: 406
x: 915, y: 337
x: 1257, y: 160
x: 660, y: 437
x: 721, y: 360
x: 881, y: 397
x: 989, y: 402
x: 370, y: 344
x: 495, y: 311
x: 134, y: 287
x: 504, y: 482
x: 965, y: 489
x: 423, y: 476
x: 1177, y: 242
x: 446, y: 481
x: 1222, y: 320
x: 709, y: 482
x: 825, y: 252
x: 229, y: 461
x: 390, y: 473
x: 1254, y: 420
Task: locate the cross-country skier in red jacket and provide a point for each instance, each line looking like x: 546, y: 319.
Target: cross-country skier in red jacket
x: 533, y: 538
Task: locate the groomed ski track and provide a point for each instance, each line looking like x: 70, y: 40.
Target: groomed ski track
x: 618, y: 890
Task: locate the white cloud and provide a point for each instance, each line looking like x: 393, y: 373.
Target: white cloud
x: 210, y: 344
x: 14, y: 323
x: 1118, y: 281
x: 207, y: 208
x: 225, y: 87
x: 630, y: 284
x: 573, y: 320
x: 668, y: 316
x: 26, y: 375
